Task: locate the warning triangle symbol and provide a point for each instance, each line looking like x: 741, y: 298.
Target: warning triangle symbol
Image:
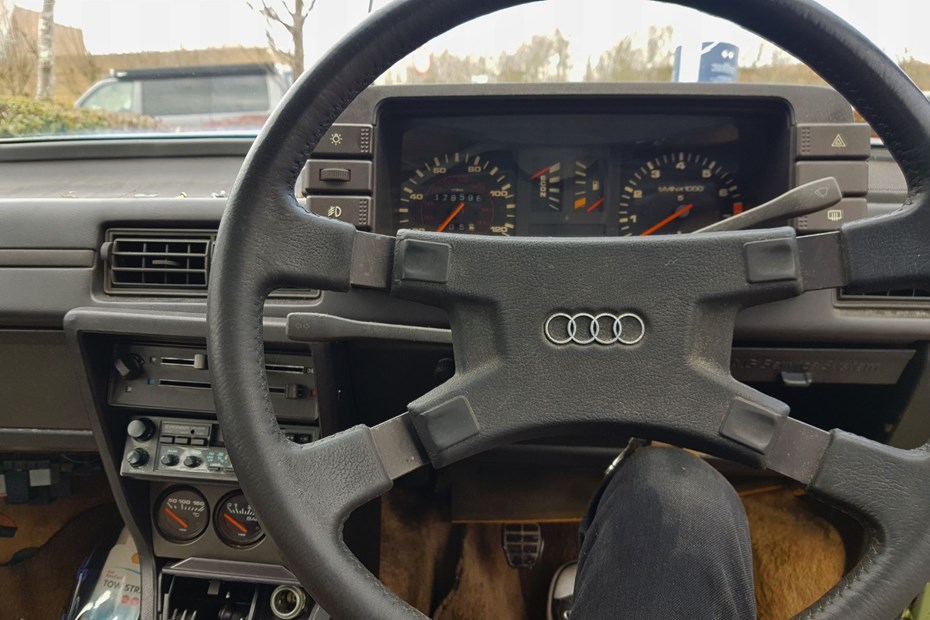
x: 838, y: 142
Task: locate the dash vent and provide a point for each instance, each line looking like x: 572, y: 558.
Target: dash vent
x: 159, y: 262
x: 886, y: 298
x: 166, y: 262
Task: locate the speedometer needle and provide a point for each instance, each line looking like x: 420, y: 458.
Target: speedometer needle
x: 671, y: 218
x: 451, y: 217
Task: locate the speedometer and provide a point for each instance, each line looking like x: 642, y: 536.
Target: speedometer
x: 459, y: 192
x: 677, y: 193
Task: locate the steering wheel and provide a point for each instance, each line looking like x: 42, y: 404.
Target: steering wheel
x: 513, y: 379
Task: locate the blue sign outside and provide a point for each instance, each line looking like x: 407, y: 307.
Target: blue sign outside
x: 718, y: 62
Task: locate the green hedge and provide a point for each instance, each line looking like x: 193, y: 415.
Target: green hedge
x: 26, y: 117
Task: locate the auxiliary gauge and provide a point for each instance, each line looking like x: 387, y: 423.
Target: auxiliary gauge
x: 235, y: 522
x: 181, y: 514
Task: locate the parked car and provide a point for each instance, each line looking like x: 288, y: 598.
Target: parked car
x: 215, y: 95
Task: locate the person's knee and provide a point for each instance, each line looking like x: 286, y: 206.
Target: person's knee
x: 674, y: 482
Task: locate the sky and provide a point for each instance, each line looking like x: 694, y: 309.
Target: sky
x: 592, y: 26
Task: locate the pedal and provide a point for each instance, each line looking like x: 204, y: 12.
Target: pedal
x: 522, y: 543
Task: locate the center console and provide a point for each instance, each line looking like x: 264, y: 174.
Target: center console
x: 214, y: 557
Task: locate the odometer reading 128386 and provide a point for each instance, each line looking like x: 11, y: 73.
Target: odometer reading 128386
x: 459, y: 193
x: 677, y: 193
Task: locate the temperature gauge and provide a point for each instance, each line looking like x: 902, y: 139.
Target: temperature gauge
x: 181, y: 514
x: 235, y: 522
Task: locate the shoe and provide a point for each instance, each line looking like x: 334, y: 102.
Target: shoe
x: 562, y: 592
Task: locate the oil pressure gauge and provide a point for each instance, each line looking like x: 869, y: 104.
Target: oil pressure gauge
x: 236, y: 524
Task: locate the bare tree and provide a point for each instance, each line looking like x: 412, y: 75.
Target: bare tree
x: 629, y: 61
x: 290, y: 15
x: 541, y: 59
x: 45, y: 87
x: 17, y: 63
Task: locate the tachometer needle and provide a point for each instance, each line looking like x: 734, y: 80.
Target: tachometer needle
x: 671, y: 218
x: 180, y: 521
x: 235, y: 523
x: 448, y: 220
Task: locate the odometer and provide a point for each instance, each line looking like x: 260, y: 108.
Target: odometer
x: 677, y: 193
x: 460, y: 193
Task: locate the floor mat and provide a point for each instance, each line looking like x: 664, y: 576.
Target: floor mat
x: 37, y: 523
x: 41, y: 587
x: 797, y: 556
x: 419, y: 548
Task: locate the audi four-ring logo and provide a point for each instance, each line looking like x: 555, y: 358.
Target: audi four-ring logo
x: 604, y: 328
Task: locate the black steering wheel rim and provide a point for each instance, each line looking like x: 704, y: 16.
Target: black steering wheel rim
x: 267, y: 241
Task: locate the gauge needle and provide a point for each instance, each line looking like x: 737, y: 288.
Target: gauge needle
x: 540, y: 173
x: 451, y: 217
x: 595, y: 205
x: 235, y: 523
x: 180, y: 521
x: 671, y: 218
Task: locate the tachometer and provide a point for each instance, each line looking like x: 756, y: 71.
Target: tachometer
x: 677, y: 193
x: 461, y: 193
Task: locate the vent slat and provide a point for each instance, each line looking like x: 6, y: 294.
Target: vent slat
x: 158, y: 270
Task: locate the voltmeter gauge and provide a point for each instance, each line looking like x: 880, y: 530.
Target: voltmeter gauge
x: 181, y: 514
x: 236, y: 524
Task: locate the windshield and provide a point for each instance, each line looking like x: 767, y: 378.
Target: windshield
x: 104, y: 67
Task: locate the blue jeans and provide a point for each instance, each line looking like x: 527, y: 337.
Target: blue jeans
x: 665, y: 538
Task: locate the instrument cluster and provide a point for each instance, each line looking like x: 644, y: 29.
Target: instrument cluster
x: 639, y: 170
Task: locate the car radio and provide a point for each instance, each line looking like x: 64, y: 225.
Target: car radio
x: 158, y: 448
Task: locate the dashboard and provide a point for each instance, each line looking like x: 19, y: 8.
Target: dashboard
x: 103, y: 346
x: 636, y: 168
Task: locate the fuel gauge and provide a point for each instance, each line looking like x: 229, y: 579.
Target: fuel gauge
x: 588, y: 186
x: 235, y: 522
